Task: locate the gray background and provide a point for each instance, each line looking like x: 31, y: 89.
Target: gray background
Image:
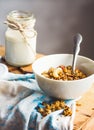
x: 57, y: 21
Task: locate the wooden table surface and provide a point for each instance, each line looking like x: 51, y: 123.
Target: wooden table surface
x: 84, y: 118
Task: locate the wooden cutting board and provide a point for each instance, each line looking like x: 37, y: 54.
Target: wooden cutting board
x: 84, y: 118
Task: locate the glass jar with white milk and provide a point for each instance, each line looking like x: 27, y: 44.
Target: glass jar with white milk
x: 20, y: 38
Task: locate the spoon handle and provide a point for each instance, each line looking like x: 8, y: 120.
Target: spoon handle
x: 76, y: 49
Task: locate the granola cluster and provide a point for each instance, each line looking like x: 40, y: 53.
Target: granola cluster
x: 64, y: 73
x: 56, y: 105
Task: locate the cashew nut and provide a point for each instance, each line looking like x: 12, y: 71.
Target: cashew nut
x: 56, y: 72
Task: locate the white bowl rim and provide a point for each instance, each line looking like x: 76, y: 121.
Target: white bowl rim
x: 61, y: 54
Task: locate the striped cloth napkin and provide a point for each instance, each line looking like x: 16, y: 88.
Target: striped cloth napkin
x: 19, y: 98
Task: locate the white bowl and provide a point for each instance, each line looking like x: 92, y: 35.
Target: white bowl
x: 63, y: 89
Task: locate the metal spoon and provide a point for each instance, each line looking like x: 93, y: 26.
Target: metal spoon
x: 76, y: 49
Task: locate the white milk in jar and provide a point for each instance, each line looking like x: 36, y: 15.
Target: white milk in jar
x: 20, y: 38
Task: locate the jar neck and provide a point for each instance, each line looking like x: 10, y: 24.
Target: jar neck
x: 19, y: 19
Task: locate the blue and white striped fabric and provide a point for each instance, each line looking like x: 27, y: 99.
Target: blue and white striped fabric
x: 19, y: 98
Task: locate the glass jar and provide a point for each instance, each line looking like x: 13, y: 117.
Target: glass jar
x: 20, y: 38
